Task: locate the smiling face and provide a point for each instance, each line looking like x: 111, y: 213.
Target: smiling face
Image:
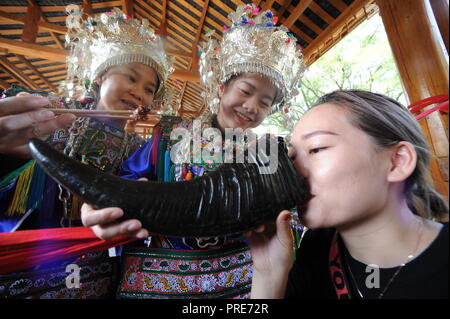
x: 245, y: 101
x: 127, y: 86
x: 346, y: 171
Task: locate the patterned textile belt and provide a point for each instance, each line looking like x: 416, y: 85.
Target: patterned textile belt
x: 166, y: 273
x: 97, y: 280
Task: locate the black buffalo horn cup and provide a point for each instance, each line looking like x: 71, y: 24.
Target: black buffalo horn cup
x: 234, y: 198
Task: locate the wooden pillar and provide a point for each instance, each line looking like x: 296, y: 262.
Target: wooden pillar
x: 423, y: 70
x: 440, y: 10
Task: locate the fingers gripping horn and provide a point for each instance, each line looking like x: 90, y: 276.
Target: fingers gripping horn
x: 234, y: 198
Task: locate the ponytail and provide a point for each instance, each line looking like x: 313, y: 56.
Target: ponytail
x: 425, y: 201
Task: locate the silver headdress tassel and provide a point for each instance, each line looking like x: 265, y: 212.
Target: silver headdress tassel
x: 170, y: 103
x: 252, y: 44
x: 112, y: 38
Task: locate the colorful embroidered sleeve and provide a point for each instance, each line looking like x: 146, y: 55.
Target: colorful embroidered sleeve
x: 150, y: 160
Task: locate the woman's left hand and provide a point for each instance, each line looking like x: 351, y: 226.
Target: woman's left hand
x: 272, y: 254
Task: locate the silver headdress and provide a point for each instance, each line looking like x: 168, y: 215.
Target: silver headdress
x: 98, y: 43
x: 252, y: 44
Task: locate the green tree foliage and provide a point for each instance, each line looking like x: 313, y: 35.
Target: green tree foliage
x: 362, y: 60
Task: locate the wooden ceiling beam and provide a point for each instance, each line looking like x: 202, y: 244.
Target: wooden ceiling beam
x: 300, y: 34
x: 38, y: 39
x: 87, y: 7
x: 12, y: 76
x: 12, y: 69
x: 283, y: 8
x: 33, y: 50
x: 4, y: 85
x: 298, y: 10
x: 53, y: 8
x: 48, y: 53
x: 338, y: 4
x: 226, y: 8
x: 53, y: 54
x: 190, y: 7
x: 127, y: 8
x: 310, y: 24
x: 321, y: 13
x: 14, y: 18
x: 163, y: 25
x: 54, y: 36
x: 311, y: 52
x: 39, y: 64
x: 267, y: 5
x: 29, y: 34
x: 30, y: 27
x: 193, y: 65
x: 106, y: 4
x: 201, y: 22
x: 36, y: 71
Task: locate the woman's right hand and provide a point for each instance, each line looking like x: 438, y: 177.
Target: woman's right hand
x: 22, y: 119
x: 104, y: 224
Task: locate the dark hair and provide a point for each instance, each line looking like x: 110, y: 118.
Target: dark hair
x: 388, y: 122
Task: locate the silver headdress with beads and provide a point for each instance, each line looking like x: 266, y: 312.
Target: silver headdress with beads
x: 98, y: 43
x: 252, y: 44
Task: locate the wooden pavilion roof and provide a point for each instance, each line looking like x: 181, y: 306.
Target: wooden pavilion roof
x: 32, y: 51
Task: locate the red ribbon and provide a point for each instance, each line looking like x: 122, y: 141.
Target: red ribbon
x: 419, y: 105
x: 28, y: 248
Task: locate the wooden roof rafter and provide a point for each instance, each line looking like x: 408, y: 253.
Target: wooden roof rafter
x: 13, y: 77
x: 321, y: 12
x: 194, y: 57
x: 37, y: 72
x: 18, y: 74
x: 163, y: 25
x: 357, y: 12
x: 299, y: 9
x: 29, y: 34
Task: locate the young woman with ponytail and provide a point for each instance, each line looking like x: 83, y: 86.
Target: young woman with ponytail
x: 373, y: 218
